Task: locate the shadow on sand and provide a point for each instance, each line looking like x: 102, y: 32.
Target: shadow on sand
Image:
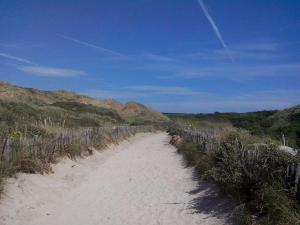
x: 210, y: 201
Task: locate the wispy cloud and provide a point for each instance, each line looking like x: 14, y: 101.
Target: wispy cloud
x: 118, y: 94
x: 41, y: 70
x: 93, y: 46
x: 170, y: 90
x: 215, y: 28
x: 50, y: 71
x: 259, y: 46
x: 142, y: 92
x: 254, y: 55
x: 18, y: 59
x: 16, y: 46
x: 159, y: 58
x: 241, y: 71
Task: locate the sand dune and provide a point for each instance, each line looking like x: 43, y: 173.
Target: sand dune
x: 140, y: 181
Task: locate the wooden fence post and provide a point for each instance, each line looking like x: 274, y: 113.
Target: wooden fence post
x: 3, y: 148
x: 297, y: 174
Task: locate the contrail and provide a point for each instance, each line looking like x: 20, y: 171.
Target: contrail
x: 15, y: 58
x: 111, y: 52
x: 215, y: 28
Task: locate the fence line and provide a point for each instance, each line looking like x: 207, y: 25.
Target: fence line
x: 249, y: 154
x: 59, y: 142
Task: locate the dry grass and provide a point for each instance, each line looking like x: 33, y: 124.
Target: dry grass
x: 26, y: 163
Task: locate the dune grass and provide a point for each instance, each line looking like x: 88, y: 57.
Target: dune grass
x: 39, y: 120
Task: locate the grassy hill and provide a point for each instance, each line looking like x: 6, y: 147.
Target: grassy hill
x: 35, y: 112
x: 285, y: 122
x: 272, y: 123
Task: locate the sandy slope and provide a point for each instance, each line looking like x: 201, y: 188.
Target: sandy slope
x: 142, y: 181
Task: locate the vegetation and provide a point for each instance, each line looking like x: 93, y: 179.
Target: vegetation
x: 262, y: 123
x: 87, y: 108
x: 257, y: 182
x: 254, y: 174
x: 36, y: 113
x: 38, y: 126
x: 34, y: 120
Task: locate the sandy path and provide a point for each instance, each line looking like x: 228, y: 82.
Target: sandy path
x: 142, y: 181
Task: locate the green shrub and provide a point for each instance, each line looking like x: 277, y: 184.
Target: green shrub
x: 255, y: 178
x: 263, y: 123
x: 275, y: 206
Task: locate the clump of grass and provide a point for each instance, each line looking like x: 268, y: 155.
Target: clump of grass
x: 74, y: 149
x: 194, y: 155
x: 27, y: 163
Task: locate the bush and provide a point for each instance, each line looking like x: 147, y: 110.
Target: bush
x: 275, y: 206
x: 255, y: 178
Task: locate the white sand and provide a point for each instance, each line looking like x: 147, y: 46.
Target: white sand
x: 141, y: 181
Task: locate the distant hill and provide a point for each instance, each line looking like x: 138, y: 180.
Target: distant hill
x: 286, y: 122
x: 273, y: 123
x: 35, y: 111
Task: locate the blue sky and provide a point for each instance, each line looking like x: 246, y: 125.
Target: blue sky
x: 173, y: 55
